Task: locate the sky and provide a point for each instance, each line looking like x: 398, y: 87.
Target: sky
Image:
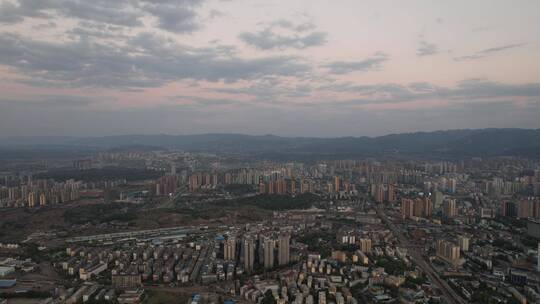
x: 289, y: 68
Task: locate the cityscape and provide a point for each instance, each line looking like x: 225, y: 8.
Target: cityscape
x: 137, y: 226
x: 269, y: 152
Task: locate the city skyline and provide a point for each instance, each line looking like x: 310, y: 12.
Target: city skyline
x: 304, y: 68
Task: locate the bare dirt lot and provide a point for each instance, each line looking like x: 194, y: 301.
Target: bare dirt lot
x: 94, y: 216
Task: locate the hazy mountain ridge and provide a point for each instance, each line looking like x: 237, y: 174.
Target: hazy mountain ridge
x: 467, y: 142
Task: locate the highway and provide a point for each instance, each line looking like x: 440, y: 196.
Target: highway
x: 448, y: 293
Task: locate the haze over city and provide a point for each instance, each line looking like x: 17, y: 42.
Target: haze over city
x: 269, y: 152
x: 294, y: 68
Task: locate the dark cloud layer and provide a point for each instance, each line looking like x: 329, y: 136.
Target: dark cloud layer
x: 147, y: 61
x: 118, y: 12
x: 175, y: 16
x: 172, y: 15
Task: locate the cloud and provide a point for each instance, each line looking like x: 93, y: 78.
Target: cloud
x: 112, y: 12
x: 178, y: 16
x: 469, y: 90
x: 480, y: 88
x: 297, y: 36
x: 287, y: 24
x: 215, y: 14
x: 267, y: 40
x: 118, y: 12
x: 175, y: 16
x: 270, y: 90
x: 148, y: 60
x: 11, y: 13
x: 489, y: 51
x: 369, y: 64
x: 92, y: 30
x: 427, y: 49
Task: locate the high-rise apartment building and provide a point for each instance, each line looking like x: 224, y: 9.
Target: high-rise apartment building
x: 448, y: 251
x: 284, y: 249
x: 420, y: 207
x: 269, y: 247
x: 365, y: 245
x: 248, y: 248
x: 336, y: 183
x: 437, y: 198
x: 407, y: 208
x: 391, y: 196
x: 463, y: 242
x: 525, y: 209
x: 508, y: 209
x: 449, y: 209
x: 229, y: 249
x: 379, y: 193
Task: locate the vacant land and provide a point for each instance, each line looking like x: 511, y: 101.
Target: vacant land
x: 96, y: 216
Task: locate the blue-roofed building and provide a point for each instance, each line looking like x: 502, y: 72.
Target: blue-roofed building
x: 229, y: 301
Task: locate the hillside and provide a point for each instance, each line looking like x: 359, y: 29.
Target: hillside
x: 452, y: 143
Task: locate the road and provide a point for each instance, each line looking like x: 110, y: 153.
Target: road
x: 448, y: 293
x: 171, y: 202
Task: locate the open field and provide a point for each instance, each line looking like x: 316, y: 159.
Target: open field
x: 95, y: 216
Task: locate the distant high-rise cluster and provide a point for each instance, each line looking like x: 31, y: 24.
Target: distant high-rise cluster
x: 448, y: 251
x: 528, y: 208
x: 383, y: 192
x: 450, y: 209
x: 265, y: 250
x: 419, y: 207
x: 499, y: 186
x: 39, y: 193
x: 82, y: 164
x: 166, y: 185
x: 281, y: 186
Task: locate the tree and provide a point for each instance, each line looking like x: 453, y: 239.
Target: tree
x: 269, y: 298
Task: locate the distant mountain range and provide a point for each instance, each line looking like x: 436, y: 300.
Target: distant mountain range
x: 445, y: 144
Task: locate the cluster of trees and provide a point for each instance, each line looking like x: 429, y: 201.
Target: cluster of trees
x: 319, y: 241
x: 391, y: 266
x: 506, y: 245
x: 239, y: 189
x: 101, y: 213
x: 274, y: 201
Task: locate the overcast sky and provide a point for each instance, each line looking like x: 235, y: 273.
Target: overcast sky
x: 295, y: 67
